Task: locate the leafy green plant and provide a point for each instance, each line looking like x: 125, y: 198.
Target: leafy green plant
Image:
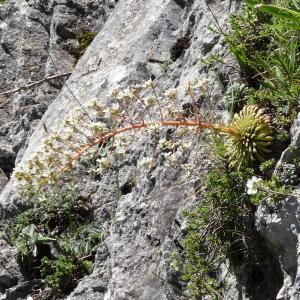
x: 56, y: 237
x: 269, y: 57
x: 273, y: 189
x: 281, y: 12
x: 267, y: 165
x: 211, y: 59
x: 62, y: 274
x: 235, y: 97
x: 217, y: 228
x: 83, y: 241
x: 76, y: 258
x: 29, y: 240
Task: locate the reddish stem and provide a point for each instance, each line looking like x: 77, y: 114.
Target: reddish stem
x: 106, y: 137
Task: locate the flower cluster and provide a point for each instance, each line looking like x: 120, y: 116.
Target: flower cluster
x: 138, y: 108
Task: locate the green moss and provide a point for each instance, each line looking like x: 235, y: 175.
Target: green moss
x: 267, y: 165
x: 56, y: 237
x: 61, y: 274
x: 84, y: 39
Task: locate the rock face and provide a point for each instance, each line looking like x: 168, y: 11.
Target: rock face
x: 280, y: 228
x: 10, y: 273
x: 3, y: 180
x: 161, y: 39
x: 39, y: 39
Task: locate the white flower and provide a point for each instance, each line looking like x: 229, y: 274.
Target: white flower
x: 120, y: 148
x: 252, y: 185
x: 189, y: 170
x: 122, y: 95
x: 67, y: 121
x: 103, y: 164
x: 95, y: 106
x: 190, y: 88
x: 162, y: 143
x: 153, y: 126
x: 172, y: 158
x: 149, y: 84
x: 115, y: 107
x: 150, y: 101
x: 120, y: 152
x: 146, y: 162
x: 135, y: 90
x: 185, y: 145
x: 114, y: 93
x: 98, y: 127
x: 92, y: 102
x: 172, y: 94
x: 112, y: 111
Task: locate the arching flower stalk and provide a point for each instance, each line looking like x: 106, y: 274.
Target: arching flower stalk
x: 247, y: 136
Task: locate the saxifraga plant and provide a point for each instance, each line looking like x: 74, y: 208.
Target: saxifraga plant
x: 248, y: 137
x: 135, y: 110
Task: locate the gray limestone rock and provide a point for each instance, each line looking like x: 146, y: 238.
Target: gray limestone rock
x: 279, y: 226
x: 7, y: 158
x: 20, y: 291
x: 293, y: 151
x: 3, y: 180
x: 39, y: 39
x: 9, y: 269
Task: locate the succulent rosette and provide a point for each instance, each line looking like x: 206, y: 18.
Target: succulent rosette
x: 249, y: 137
